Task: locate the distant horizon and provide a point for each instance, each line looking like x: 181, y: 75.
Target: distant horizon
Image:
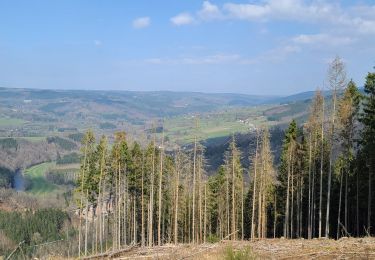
x: 171, y: 91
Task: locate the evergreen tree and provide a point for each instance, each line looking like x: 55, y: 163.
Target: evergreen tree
x: 368, y: 136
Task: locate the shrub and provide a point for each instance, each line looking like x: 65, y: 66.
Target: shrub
x: 243, y: 254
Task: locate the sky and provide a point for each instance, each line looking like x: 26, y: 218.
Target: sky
x: 265, y: 47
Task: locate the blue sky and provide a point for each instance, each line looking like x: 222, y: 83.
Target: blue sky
x: 271, y: 47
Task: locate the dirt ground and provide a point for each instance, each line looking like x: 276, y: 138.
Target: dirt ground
x: 345, y: 248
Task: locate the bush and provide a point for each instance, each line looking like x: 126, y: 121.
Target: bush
x: 63, y: 143
x: 213, y: 238
x: 107, y: 125
x: 8, y: 143
x: 61, y: 176
x: 77, y: 137
x: 243, y: 254
x: 69, y: 159
x: 5, y: 177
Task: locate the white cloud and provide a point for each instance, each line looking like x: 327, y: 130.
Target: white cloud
x: 246, y: 11
x: 322, y: 39
x: 141, y: 22
x: 357, y: 19
x: 182, y: 19
x: 280, y: 9
x: 209, y: 11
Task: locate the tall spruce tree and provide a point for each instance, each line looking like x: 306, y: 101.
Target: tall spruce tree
x: 368, y: 136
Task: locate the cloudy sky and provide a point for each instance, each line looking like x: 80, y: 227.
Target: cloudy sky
x: 275, y: 47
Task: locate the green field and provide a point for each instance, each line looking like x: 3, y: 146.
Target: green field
x: 39, y: 185
x: 10, y: 122
x: 181, y: 129
x: 33, y: 139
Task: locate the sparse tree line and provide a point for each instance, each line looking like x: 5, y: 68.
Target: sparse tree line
x: 322, y: 187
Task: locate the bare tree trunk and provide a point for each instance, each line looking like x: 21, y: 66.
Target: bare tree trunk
x: 369, y: 201
x: 160, y: 188
x: 200, y: 198
x: 339, y: 213
x: 260, y: 207
x: 227, y: 202
x: 134, y: 223
x: 86, y: 219
x: 233, y: 222
x: 357, y: 206
x: 346, y: 199
x: 194, y: 181
x: 205, y: 214
x: 242, y: 209
x: 301, y: 207
x: 150, y: 220
x: 176, y: 199
x: 142, y: 204
x: 292, y: 206
x: 81, y: 202
x: 321, y: 173
x: 287, y: 206
x: 254, y: 188
x: 275, y: 216
x: 309, y: 233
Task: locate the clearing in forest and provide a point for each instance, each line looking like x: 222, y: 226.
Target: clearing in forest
x: 345, y: 248
x: 36, y: 175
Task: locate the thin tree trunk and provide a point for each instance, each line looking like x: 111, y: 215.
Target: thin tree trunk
x: 134, y: 222
x: 205, y: 214
x: 200, y: 198
x: 254, y: 187
x: 142, y: 205
x: 339, y: 213
x: 357, y: 205
x: 86, y: 220
x: 194, y: 173
x: 369, y: 201
x: 346, y: 199
x: 176, y: 200
x: 233, y: 222
x: 242, y: 210
x: 321, y: 173
x: 160, y: 188
x: 292, y: 204
x: 81, y: 202
x: 275, y: 217
x: 286, y: 223
x: 151, y: 226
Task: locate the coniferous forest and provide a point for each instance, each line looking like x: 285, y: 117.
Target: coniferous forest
x: 155, y: 194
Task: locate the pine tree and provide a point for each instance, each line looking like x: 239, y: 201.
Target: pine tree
x: 348, y: 109
x: 368, y: 136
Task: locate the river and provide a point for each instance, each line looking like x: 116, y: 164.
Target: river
x: 19, y: 181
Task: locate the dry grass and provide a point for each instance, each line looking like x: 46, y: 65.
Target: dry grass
x: 345, y: 248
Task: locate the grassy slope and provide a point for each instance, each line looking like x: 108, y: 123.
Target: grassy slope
x: 39, y: 185
x: 221, y: 123
x: 11, y: 122
x: 33, y: 139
